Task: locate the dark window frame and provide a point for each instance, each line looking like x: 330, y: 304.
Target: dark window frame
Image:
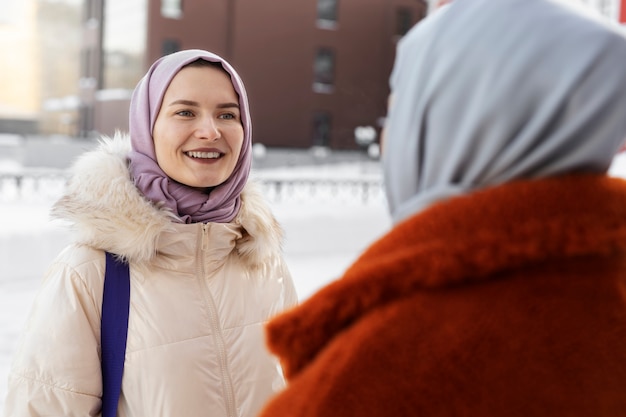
x: 324, y: 67
x: 327, y: 14
x: 169, y: 46
x: 322, y: 127
x: 404, y: 20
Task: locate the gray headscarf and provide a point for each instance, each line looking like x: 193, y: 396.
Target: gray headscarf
x: 488, y: 91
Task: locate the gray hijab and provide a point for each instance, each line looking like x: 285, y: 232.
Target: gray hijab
x: 489, y: 91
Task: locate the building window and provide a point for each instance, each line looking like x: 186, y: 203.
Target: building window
x: 172, y: 9
x: 404, y: 21
x: 321, y: 128
x: 169, y: 46
x: 327, y: 14
x: 324, y: 71
x: 124, y: 42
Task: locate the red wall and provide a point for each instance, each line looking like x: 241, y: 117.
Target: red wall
x: 273, y: 43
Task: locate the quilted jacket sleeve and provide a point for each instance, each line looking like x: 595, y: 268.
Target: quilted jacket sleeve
x: 56, y: 366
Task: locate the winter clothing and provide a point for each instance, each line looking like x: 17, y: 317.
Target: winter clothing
x: 199, y: 296
x: 506, y: 302
x: 488, y: 91
x: 222, y: 204
x: 501, y: 289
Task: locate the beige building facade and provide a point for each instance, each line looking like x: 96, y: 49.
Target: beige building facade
x: 39, y: 66
x: 20, y: 81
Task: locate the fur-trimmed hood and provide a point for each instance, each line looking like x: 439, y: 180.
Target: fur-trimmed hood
x: 107, y: 212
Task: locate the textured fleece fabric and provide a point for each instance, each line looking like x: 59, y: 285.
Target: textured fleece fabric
x: 510, y: 301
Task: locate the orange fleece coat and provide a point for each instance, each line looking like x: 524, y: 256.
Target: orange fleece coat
x: 510, y: 301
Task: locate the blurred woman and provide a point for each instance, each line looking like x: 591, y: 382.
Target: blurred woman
x: 501, y: 289
x: 205, y: 258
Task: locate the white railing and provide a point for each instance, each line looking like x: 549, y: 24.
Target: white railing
x: 49, y: 184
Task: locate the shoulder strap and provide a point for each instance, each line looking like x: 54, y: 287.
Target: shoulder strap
x: 114, y: 329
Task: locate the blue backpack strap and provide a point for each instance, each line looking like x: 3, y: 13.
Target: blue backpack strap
x: 113, y: 331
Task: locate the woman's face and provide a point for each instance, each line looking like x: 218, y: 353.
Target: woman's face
x: 198, y: 133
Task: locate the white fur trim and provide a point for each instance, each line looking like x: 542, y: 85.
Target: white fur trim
x: 107, y: 211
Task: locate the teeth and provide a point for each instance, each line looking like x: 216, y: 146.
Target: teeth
x: 204, y: 155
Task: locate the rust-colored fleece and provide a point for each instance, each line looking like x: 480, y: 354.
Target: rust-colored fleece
x: 507, y: 302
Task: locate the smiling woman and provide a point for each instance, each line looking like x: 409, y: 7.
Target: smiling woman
x: 198, y: 133
x: 173, y: 200
x: 200, y: 107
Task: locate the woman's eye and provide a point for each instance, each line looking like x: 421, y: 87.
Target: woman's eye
x: 184, y: 113
x: 228, y: 116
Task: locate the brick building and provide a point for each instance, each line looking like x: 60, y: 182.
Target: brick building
x: 314, y: 69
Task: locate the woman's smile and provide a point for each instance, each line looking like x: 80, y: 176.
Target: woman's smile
x: 203, y: 155
x: 198, y: 133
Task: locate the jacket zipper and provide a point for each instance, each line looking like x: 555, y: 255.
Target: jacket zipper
x: 218, y: 337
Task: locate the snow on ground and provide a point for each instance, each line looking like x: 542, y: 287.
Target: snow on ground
x: 323, y: 235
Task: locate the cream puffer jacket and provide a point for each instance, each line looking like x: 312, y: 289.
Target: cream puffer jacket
x: 200, y: 295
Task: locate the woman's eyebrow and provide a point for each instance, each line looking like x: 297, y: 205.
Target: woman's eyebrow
x: 227, y: 105
x: 184, y: 102
x: 196, y: 104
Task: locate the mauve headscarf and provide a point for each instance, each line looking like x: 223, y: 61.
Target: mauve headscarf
x: 192, y: 206
x: 488, y: 91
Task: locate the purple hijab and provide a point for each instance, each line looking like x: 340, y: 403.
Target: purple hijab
x: 222, y: 204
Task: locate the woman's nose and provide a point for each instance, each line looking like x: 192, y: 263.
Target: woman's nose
x: 207, y: 129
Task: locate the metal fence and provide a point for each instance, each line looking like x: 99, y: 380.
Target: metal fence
x: 44, y: 185
x: 32, y: 185
x: 361, y: 191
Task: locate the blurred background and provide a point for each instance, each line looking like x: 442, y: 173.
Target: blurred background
x: 316, y: 70
x: 317, y: 75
